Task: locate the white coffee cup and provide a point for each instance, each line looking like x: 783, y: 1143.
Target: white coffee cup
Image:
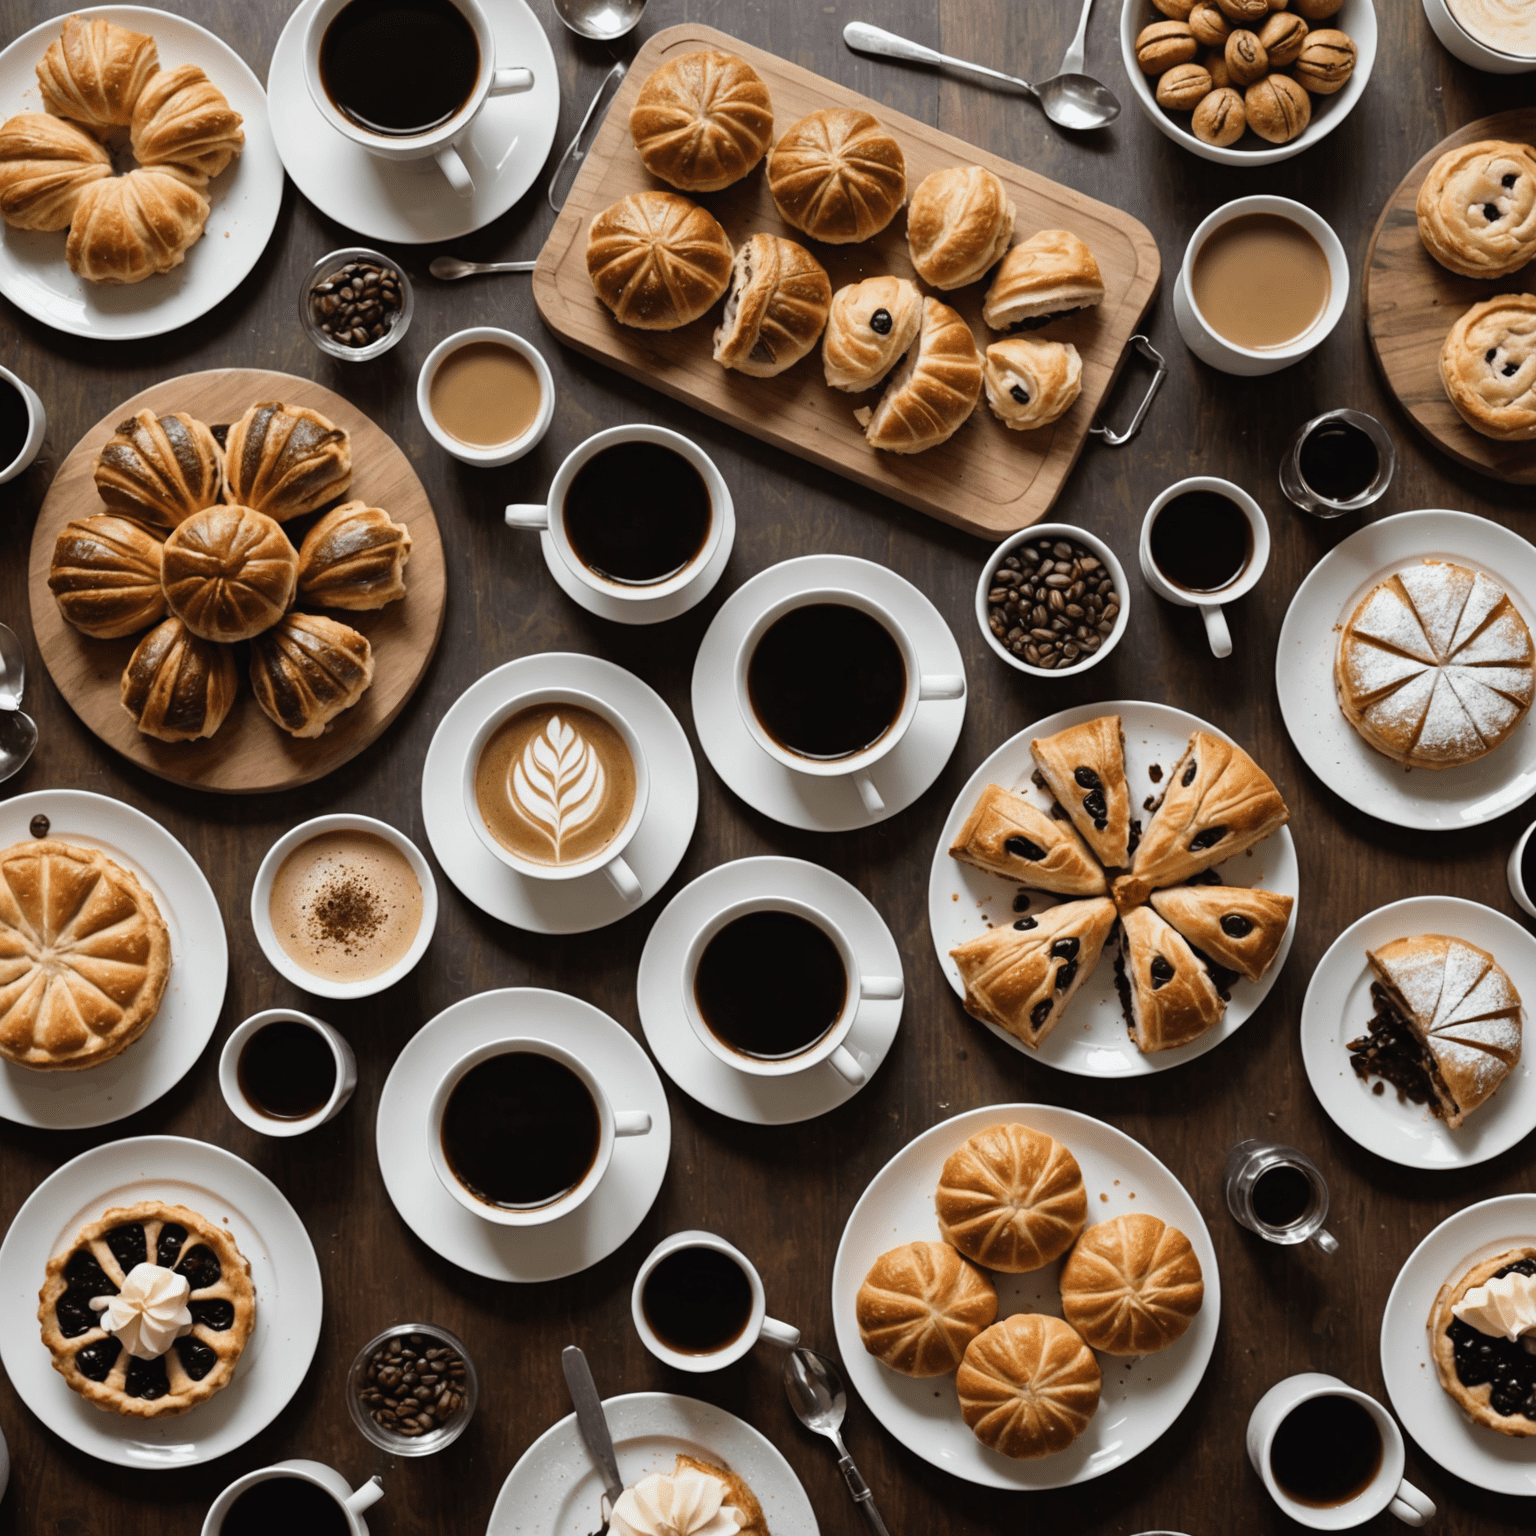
x: 437, y: 143
x: 246, y: 1112
x: 1524, y: 899
x: 498, y: 453
x: 830, y: 1047
x: 1389, y: 1489
x: 37, y: 425
x: 1473, y: 50
x: 548, y: 516
x: 921, y: 687
x: 759, y: 1324
x: 611, y: 1124
x: 1208, y: 344
x: 609, y: 859
x: 349, y: 1503
x: 1209, y: 603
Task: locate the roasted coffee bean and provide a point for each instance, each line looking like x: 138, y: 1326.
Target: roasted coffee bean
x: 358, y: 305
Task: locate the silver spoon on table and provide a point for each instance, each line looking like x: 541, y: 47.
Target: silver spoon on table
x: 448, y: 268
x: 18, y: 732
x: 817, y: 1395
x: 603, y: 20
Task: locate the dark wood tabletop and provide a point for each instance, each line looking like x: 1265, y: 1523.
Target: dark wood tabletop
x: 783, y: 1194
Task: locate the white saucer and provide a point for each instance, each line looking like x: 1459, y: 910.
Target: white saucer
x: 267, y: 1230
x: 797, y: 799
x: 1338, y: 1009
x: 1309, y: 640
x: 554, y: 1490
x: 605, y: 1220
x: 1485, y: 1458
x: 169, y: 1048
x: 704, y: 1077
x: 410, y: 202
x: 560, y: 906
x: 245, y: 199
x: 964, y: 902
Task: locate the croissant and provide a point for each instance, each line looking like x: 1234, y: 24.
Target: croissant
x: 45, y: 164
x: 177, y: 687
x: 183, y: 119
x: 657, y: 260
x: 228, y: 573
x: 130, y: 227
x: 160, y: 469
x: 307, y: 669
x: 286, y: 460
x: 95, y: 71
x: 354, y: 557
x: 933, y: 392
x: 106, y: 576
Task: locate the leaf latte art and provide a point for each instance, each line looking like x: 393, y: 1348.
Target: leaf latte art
x: 558, y: 783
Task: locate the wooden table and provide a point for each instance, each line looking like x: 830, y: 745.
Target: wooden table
x: 784, y: 1194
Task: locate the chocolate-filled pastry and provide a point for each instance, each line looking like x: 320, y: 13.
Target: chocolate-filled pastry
x: 105, y: 576
x: 657, y: 260
x: 1028, y: 1386
x: 870, y: 328
x: 1131, y: 1286
x: 160, y: 469
x: 286, y: 460
x: 1477, y: 208
x: 1238, y: 928
x: 1031, y: 383
x: 1022, y: 976
x: 1084, y: 768
x: 778, y: 303
x: 94, y: 71
x: 228, y: 573
x: 1488, y: 367
x: 837, y: 176
x: 45, y: 164
x: 1006, y: 835
x: 1170, y: 998
x: 183, y: 119
x: 919, y: 1307
x: 959, y: 223
x: 1479, y: 1330
x: 177, y: 687
x: 307, y: 669
x: 354, y: 558
x: 1050, y: 275
x: 702, y: 120
x: 128, y: 228
x: 931, y: 396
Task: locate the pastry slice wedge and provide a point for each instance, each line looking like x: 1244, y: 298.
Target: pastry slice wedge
x: 1167, y: 993
x: 1008, y: 836
x: 1240, y: 929
x: 1084, y: 768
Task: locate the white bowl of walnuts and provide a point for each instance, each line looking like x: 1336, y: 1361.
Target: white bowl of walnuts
x: 1248, y: 82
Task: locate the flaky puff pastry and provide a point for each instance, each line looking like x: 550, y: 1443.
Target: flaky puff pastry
x: 286, y: 460
x: 354, y: 558
x: 1049, y: 275
x: 1006, y: 835
x: 1028, y: 1386
x: 1172, y: 997
x: 1239, y: 928
x: 959, y: 223
x: 702, y: 120
x: 183, y: 119
x: 228, y: 573
x: 657, y: 260
x: 127, y: 228
x: 1084, y: 769
x: 869, y: 329
x: 1031, y: 383
x: 105, y: 576
x: 160, y: 469
x: 919, y: 1307
x: 1477, y: 208
x: 45, y: 164
x: 1488, y: 367
x: 931, y: 396
x: 1131, y: 1286
x: 95, y: 72
x: 177, y: 687
x: 307, y: 669
x: 837, y: 176
x: 775, y: 311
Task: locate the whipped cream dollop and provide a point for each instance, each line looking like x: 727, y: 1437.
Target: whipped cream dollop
x: 1502, y: 1309
x: 150, y: 1312
x: 688, y: 1503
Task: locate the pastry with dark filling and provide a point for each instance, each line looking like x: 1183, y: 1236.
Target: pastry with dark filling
x: 775, y: 311
x: 1084, y: 768
x: 1048, y: 276
x: 1239, y: 929
x: 1482, y: 1334
x: 1008, y: 836
x: 932, y: 394
x: 870, y: 328
x: 1168, y: 994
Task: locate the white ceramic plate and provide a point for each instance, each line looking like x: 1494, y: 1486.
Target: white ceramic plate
x: 1435, y: 801
x: 1141, y: 1398
x: 1338, y: 1009
x: 267, y: 1230
x: 1093, y: 1040
x: 1483, y: 1457
x: 168, y: 1049
x: 554, y: 1490
x: 33, y: 273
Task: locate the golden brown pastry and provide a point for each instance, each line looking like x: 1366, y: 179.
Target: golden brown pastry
x: 1050, y: 275
x: 837, y: 176
x: 1028, y: 1386
x: 307, y: 669
x: 1170, y: 997
x: 1006, y: 835
x: 160, y: 470
x: 95, y: 71
x: 1477, y: 208
x: 106, y: 576
x: 1163, y: 44
x: 869, y: 329
x: 959, y: 223
x: 657, y: 260
x: 1488, y: 367
x: 737, y: 1493
x: 1326, y: 61
x: 354, y: 558
x: 1084, y: 769
x: 183, y: 119
x: 702, y: 120
x: 1011, y: 1198
x: 1031, y: 383
x: 229, y: 573
x: 177, y: 687
x: 779, y: 300
x: 45, y: 164
x: 1184, y: 87
x: 127, y: 228
x: 1221, y: 118
x: 920, y: 1306
x: 1277, y: 108
x: 931, y: 396
x: 1238, y: 928
x: 1469, y: 1332
x: 1131, y: 1286
x: 286, y: 460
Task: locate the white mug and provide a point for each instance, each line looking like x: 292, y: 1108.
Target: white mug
x: 1470, y: 49
x: 1209, y: 603
x: 1248, y: 362
x: 246, y: 1112
x: 1524, y: 899
x: 37, y: 425
x: 830, y: 1047
x: 1389, y: 1489
x: 499, y: 453
x: 921, y: 687
x: 759, y: 1324
x: 609, y: 859
x: 437, y: 143
x: 349, y: 1503
x: 611, y: 1124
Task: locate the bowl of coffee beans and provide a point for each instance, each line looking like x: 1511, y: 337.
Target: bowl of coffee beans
x: 355, y: 304
x: 1052, y: 600
x: 413, y: 1389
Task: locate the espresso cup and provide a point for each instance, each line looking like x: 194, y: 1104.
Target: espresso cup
x: 269, y: 1125
x: 37, y: 425
x: 1299, y: 492
x: 1247, y: 1163
x: 437, y: 143
x: 611, y: 1124
x: 609, y: 858
x: 351, y: 1504
x: 758, y: 1325
x: 1209, y: 603
x: 1470, y: 48
x: 1388, y: 1489
x: 500, y: 453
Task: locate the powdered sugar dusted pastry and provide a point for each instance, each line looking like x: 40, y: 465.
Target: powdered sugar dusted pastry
x: 931, y: 396
x: 1488, y: 367
x: 1239, y: 929
x: 1049, y: 275
x: 1477, y: 208
x: 1084, y: 768
x: 778, y: 303
x: 1008, y: 836
x: 959, y: 223
x: 870, y: 328
x: 1031, y: 383
x: 1479, y: 1334
x: 1167, y: 994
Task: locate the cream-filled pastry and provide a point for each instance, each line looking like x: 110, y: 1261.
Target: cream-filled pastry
x: 869, y: 329
x: 1031, y: 383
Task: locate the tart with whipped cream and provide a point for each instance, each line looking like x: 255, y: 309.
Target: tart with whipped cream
x: 697, y: 1498
x: 1482, y: 1334
x: 147, y: 1312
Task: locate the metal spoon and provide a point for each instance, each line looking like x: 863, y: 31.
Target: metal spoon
x: 18, y: 730
x: 817, y: 1395
x: 600, y: 19
x: 1071, y: 100
x: 450, y: 268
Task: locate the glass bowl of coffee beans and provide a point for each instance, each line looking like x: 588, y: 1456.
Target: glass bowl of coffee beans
x: 1052, y: 600
x: 413, y: 1389
x: 356, y: 304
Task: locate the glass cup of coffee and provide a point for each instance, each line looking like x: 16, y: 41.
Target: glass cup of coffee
x: 698, y: 1304
x: 22, y: 425
x: 771, y: 986
x: 303, y: 1496
x: 1338, y: 462
x: 1331, y: 1457
x: 1279, y: 1193
x: 520, y: 1132
x: 556, y: 785
x: 1204, y: 542
x: 283, y: 1072
x: 406, y: 80
x: 635, y: 513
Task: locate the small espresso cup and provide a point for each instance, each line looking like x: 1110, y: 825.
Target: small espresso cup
x: 1247, y: 1163
x: 1209, y: 603
x: 611, y: 1125
x: 1469, y: 47
x: 1301, y: 493
x: 436, y: 143
x: 830, y: 1047
x: 758, y: 1326
x: 1514, y: 872
x: 246, y: 1112
x: 350, y: 1504
x: 497, y: 454
x: 609, y: 858
x: 921, y: 687
x: 1388, y: 1489
x: 37, y: 425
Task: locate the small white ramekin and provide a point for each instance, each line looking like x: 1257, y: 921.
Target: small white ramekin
x: 501, y: 453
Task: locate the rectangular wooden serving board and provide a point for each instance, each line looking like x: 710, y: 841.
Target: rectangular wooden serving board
x: 986, y: 479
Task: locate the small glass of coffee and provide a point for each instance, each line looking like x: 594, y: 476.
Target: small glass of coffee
x: 283, y: 1073
x: 1338, y: 462
x: 1279, y: 1193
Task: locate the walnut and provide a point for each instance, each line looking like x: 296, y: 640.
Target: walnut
x: 1184, y: 87
x: 1244, y: 13
x: 1282, y: 36
x: 1220, y: 118
x: 1209, y: 25
x: 1164, y: 44
x: 1215, y: 62
x: 1316, y: 10
x: 1177, y: 10
x: 1326, y: 61
x: 1278, y: 109
x: 1246, y: 59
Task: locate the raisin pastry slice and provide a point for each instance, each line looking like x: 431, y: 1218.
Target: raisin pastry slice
x: 1488, y: 367
x: 1167, y: 993
x: 1477, y: 208
x: 1239, y: 929
x: 869, y: 329
x: 1084, y: 768
x: 1489, y: 1376
x: 1031, y: 383
x: 1008, y: 836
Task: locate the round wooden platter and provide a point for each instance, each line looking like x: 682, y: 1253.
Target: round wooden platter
x: 1411, y: 301
x: 248, y: 754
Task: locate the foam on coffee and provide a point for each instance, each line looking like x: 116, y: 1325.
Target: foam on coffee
x: 1508, y: 26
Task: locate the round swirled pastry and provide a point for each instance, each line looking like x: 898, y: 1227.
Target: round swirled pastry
x: 1488, y: 367
x: 1477, y: 208
x: 1031, y: 383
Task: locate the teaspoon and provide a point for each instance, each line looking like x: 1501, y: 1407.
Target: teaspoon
x: 817, y: 1395
x: 448, y: 268
x: 603, y: 20
x: 18, y: 730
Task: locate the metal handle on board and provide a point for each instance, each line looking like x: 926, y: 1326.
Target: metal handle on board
x: 1153, y: 356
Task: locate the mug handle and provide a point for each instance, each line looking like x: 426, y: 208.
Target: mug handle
x: 509, y: 82
x: 786, y: 1337
x: 624, y: 880
x: 631, y: 1122
x: 873, y: 803
x: 1410, y: 1506
x: 1216, y: 630
x: 373, y: 1490
x: 452, y: 166
x: 533, y: 516
x: 848, y: 1067
x: 1325, y: 1240
x: 940, y: 685
x: 882, y: 988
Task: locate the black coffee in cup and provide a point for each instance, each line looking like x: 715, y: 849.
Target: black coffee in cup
x: 285, y: 1504
x: 637, y: 513
x: 1338, y: 460
x: 15, y: 423
x: 1201, y: 541
x: 1326, y: 1452
x: 697, y: 1300
x: 1282, y: 1195
x: 286, y: 1070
